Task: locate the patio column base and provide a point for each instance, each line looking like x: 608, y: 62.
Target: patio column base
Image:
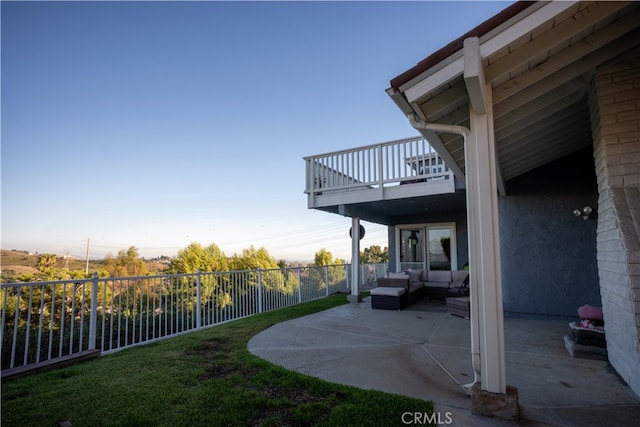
x: 354, y: 298
x: 504, y: 406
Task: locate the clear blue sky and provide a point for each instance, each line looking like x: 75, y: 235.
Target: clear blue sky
x: 158, y: 124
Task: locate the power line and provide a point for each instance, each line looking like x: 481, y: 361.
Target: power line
x: 326, y: 236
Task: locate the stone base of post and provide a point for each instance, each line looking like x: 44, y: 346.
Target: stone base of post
x: 354, y: 298
x: 504, y: 406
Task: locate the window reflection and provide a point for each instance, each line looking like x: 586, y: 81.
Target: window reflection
x: 427, y: 247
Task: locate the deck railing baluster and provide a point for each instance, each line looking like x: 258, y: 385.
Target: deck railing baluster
x: 144, y: 309
x: 374, y: 167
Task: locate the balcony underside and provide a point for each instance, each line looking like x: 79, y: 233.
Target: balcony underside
x: 377, y: 193
x: 399, y: 205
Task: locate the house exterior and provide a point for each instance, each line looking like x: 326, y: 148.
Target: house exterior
x: 536, y: 115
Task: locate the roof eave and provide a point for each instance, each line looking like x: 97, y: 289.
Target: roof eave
x: 456, y: 45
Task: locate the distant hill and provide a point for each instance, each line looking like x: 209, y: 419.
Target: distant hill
x: 25, y: 262
x: 15, y: 260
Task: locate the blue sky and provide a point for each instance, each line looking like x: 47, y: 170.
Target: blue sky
x: 158, y: 124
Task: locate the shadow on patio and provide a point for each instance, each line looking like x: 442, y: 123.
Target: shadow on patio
x: 424, y: 352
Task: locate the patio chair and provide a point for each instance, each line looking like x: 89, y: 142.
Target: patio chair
x: 460, y: 291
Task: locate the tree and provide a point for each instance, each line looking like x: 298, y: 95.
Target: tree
x: 336, y: 273
x: 445, y: 242
x: 323, y: 257
x: 196, y: 257
x: 46, y: 261
x: 374, y: 254
x: 47, y: 270
x: 253, y: 259
x: 127, y: 263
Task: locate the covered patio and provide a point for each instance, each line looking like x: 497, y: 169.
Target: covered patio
x: 512, y: 107
x: 424, y: 352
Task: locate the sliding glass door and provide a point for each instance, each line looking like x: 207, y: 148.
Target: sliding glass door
x: 412, y: 249
x: 439, y: 256
x: 427, y: 246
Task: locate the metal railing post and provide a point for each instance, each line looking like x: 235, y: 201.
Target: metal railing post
x: 299, y: 287
x: 260, y: 290
x: 326, y: 279
x: 93, y: 317
x: 198, y: 299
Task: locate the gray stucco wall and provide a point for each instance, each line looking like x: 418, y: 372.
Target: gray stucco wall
x: 549, y: 266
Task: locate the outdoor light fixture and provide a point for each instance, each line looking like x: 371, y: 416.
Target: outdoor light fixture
x: 413, y: 239
x: 584, y: 212
x: 362, y: 231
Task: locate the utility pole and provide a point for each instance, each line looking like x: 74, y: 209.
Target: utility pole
x: 86, y: 268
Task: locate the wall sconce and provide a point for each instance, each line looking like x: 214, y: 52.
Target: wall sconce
x: 413, y: 239
x: 584, y: 212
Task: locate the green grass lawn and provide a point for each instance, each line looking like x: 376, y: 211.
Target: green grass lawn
x: 205, y: 378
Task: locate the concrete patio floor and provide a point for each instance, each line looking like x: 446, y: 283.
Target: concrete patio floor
x: 424, y: 352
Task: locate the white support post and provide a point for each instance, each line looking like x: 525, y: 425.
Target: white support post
x: 483, y: 213
x: 487, y: 318
x: 487, y: 246
x: 355, y: 260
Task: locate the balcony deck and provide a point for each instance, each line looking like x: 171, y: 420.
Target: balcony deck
x: 393, y: 170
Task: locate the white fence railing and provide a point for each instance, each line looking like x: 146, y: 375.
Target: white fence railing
x: 42, y: 322
x: 404, y: 161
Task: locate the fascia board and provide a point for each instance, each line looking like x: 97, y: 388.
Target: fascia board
x: 435, y: 80
x: 526, y: 25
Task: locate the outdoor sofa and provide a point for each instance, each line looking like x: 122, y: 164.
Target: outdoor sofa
x: 432, y: 284
x: 443, y: 283
x: 414, y: 292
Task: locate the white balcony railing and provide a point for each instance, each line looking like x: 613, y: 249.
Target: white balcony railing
x: 376, y: 168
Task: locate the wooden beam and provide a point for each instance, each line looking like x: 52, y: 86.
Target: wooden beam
x: 542, y: 140
x: 557, y: 112
x: 543, y: 157
x: 578, y: 58
x: 550, y: 39
x: 474, y: 75
x: 451, y: 98
x: 555, y: 100
x: 555, y: 81
x: 478, y: 91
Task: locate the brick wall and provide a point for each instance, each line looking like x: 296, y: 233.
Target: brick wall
x: 614, y: 100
